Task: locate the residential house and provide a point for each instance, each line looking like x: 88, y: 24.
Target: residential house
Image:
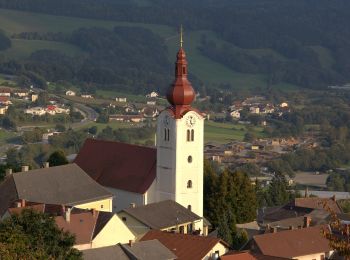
x: 34, y: 97
x: 21, y: 93
x: 254, y: 110
x: 145, y: 250
x: 235, y: 114
x: 3, y: 110
x: 35, y: 111
x: 61, y: 185
x: 91, y: 228
x: 284, y: 104
x: 186, y: 246
x: 4, y: 100
x: 127, y: 118
x: 247, y: 255
x: 153, y: 94
x: 5, y: 92
x: 150, y: 112
x: 151, y: 102
x: 70, y: 93
x: 120, y: 99
x: 165, y: 216
x: 86, y: 96
x: 304, y: 243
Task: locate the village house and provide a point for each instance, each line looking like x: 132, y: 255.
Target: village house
x: 246, y: 255
x: 65, y: 185
x: 254, y: 110
x: 145, y: 250
x: 120, y: 99
x: 34, y: 97
x: 5, y: 91
x: 153, y: 94
x: 151, y: 102
x: 4, y: 100
x: 91, y: 228
x: 186, y: 246
x: 235, y: 114
x: 70, y: 93
x: 305, y: 243
x: 3, y: 109
x: 86, y: 96
x: 35, y: 111
x: 284, y: 105
x: 127, y: 118
x: 165, y: 216
x: 21, y: 93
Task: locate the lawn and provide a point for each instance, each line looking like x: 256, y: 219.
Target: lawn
x: 226, y: 132
x: 5, y: 136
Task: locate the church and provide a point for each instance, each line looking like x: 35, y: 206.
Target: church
x: 138, y: 175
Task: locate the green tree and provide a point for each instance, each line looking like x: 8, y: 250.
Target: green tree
x: 57, y: 158
x: 34, y: 235
x: 277, y: 193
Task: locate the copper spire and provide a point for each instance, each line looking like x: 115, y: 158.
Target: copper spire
x: 180, y: 94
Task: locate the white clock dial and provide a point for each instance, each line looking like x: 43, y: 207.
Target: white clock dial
x: 190, y: 121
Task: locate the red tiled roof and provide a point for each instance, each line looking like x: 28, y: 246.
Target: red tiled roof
x: 293, y: 243
x: 246, y: 255
x: 4, y: 99
x: 50, y: 107
x: 317, y: 203
x: 119, y: 165
x: 184, y: 246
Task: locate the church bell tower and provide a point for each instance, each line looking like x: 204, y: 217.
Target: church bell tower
x: 180, y: 135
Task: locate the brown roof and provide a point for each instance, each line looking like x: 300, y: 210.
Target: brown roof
x: 248, y: 256
x: 184, y: 246
x: 103, y: 253
x: 317, y: 203
x: 164, y: 214
x: 114, y: 164
x: 293, y: 243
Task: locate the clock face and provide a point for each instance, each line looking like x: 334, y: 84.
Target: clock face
x: 190, y: 121
x: 166, y: 120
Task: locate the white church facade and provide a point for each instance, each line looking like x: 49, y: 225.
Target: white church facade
x: 139, y: 175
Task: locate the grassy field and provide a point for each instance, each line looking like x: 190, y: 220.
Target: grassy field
x: 5, y: 136
x: 207, y: 70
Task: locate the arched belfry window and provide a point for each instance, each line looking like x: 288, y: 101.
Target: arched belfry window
x: 189, y: 207
x: 166, y: 134
x: 192, y: 135
x: 188, y: 135
x: 184, y: 70
x: 189, y: 184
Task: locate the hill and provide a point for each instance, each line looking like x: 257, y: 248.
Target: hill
x: 234, y: 44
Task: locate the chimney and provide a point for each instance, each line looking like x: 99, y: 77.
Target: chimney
x: 46, y: 165
x: 333, y: 197
x: 25, y: 168
x: 18, y: 204
x: 94, y: 213
x: 8, y: 172
x: 132, y: 205
x: 274, y: 230
x: 23, y: 203
x: 291, y: 228
x: 307, y: 221
x: 131, y: 242
x: 67, y: 215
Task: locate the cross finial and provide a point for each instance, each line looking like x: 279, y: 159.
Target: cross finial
x: 181, y: 36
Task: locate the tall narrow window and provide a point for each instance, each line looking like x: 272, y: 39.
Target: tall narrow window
x: 188, y: 135
x: 165, y: 134
x: 189, y: 184
x: 192, y: 135
x: 183, y: 70
x: 168, y: 132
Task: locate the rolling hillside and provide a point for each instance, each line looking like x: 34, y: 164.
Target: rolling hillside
x: 212, y: 73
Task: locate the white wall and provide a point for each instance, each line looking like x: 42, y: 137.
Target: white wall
x: 173, y: 168
x: 122, y: 199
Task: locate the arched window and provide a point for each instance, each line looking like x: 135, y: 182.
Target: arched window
x: 189, y: 184
x: 188, y: 135
x: 168, y: 132
x: 189, y: 159
x: 192, y: 135
x: 189, y: 207
x: 183, y: 70
x: 165, y: 134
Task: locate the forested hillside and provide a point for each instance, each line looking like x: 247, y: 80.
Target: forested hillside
x: 305, y: 43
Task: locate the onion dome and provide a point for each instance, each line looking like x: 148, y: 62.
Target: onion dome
x: 181, y: 92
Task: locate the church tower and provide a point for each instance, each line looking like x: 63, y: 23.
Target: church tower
x: 180, y: 134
